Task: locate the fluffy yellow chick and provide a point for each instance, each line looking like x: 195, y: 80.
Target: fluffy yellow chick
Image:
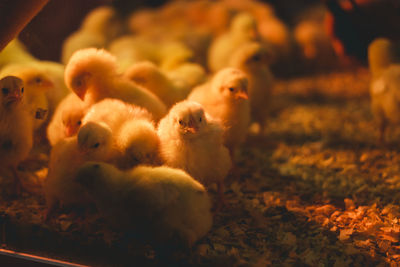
x: 148, y: 75
x: 99, y: 27
x: 225, y: 98
x: 65, y: 159
x: 243, y: 29
x: 173, y: 53
x: 132, y: 127
x: 192, y: 141
x: 139, y: 144
x: 67, y: 119
x: 253, y: 58
x: 385, y: 99
x: 381, y: 53
x: 36, y: 84
x: 92, y: 75
x: 15, y: 52
x: 187, y: 75
x: 163, y: 205
x: 16, y: 126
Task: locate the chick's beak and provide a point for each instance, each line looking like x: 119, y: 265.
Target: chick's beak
x: 14, y: 97
x: 242, y: 95
x: 192, y: 126
x: 69, y: 131
x: 81, y: 94
x: 47, y: 84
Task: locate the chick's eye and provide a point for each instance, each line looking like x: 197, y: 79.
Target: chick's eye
x: 5, y: 91
x: 96, y: 145
x: 256, y: 58
x: 200, y: 119
x: 231, y: 89
x: 38, y: 80
x: 180, y: 122
x: 22, y: 89
x: 79, y: 122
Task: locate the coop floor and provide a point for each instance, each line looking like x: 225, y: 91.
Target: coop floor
x: 315, y: 189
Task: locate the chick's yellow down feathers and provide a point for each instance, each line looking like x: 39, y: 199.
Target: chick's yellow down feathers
x: 382, y: 52
x: 225, y: 98
x: 92, y: 74
x: 160, y: 203
x: 192, y: 141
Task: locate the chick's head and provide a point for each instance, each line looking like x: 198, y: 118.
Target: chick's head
x: 95, y: 140
x: 231, y: 83
x: 189, y: 118
x: 88, y: 67
x: 12, y: 90
x: 251, y: 56
x: 244, y: 24
x: 72, y: 120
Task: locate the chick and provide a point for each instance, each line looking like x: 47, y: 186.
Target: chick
x: 67, y: 119
x: 132, y: 128
x: 92, y: 74
x: 253, y: 58
x: 243, y: 29
x: 192, y: 141
x: 381, y: 53
x: 138, y: 142
x: 187, y: 75
x: 99, y: 27
x: 385, y: 99
x: 15, y: 52
x: 36, y: 84
x: 225, y: 98
x: 148, y: 75
x: 16, y: 126
x: 161, y: 205
x: 66, y: 157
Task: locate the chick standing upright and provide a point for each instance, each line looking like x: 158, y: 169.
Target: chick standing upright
x: 92, y: 74
x: 243, y: 29
x: 192, y: 141
x: 225, y: 98
x: 252, y: 58
x: 16, y: 126
x: 163, y: 206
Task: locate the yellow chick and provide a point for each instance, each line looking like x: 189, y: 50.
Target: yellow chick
x: 139, y: 144
x: 253, y: 58
x: 225, y: 98
x: 66, y: 157
x: 36, y: 85
x: 385, y: 99
x: 67, y: 119
x: 92, y: 75
x: 243, y: 29
x: 99, y: 27
x: 173, y: 53
x: 187, y: 75
x: 15, y: 52
x: 192, y: 141
x: 164, y: 206
x: 148, y: 75
x: 381, y: 53
x: 16, y: 126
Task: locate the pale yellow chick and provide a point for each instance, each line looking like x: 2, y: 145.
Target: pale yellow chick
x: 66, y: 157
x: 187, y: 75
x: 243, y: 29
x: 225, y: 98
x: 148, y: 75
x: 385, y: 99
x: 16, y: 127
x: 192, y: 141
x: 382, y: 52
x: 15, y: 52
x: 67, y: 119
x: 92, y: 75
x: 253, y: 59
x: 164, y: 206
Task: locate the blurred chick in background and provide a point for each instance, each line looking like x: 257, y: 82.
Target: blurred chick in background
x: 99, y: 27
x: 225, y: 98
x: 161, y: 205
x: 253, y: 59
x: 382, y: 52
x: 148, y: 75
x: 16, y: 127
x: 192, y: 141
x: 243, y: 28
x: 92, y: 74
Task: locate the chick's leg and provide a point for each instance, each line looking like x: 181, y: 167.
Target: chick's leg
x: 382, y: 131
